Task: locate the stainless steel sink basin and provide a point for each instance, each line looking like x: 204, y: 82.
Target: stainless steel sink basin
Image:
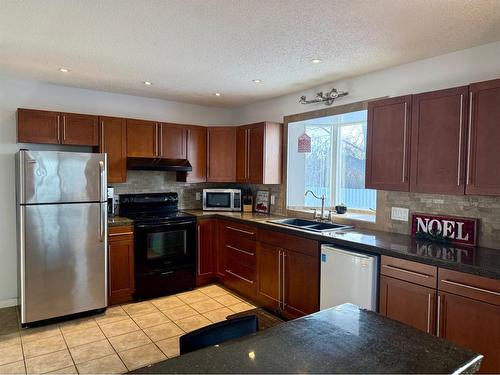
x: 310, y: 225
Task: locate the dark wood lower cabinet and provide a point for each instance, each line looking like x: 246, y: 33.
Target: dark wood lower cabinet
x: 412, y: 304
x: 120, y: 265
x: 269, y: 276
x: 206, y: 243
x: 472, y: 324
x: 300, y: 286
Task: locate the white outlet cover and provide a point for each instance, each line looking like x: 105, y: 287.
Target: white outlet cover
x: 400, y: 213
x: 198, y: 195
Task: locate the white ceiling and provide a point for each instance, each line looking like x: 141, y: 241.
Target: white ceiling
x: 191, y: 49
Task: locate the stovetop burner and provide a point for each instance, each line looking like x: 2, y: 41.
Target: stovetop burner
x: 152, y: 207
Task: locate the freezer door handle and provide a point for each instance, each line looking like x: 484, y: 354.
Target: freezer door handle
x: 102, y: 181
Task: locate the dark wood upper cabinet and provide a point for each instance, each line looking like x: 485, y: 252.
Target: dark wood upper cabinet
x: 258, y: 153
x: 206, y: 256
x: 81, y: 130
x: 114, y: 142
x: 484, y: 136
x: 173, y: 141
x: 439, y: 141
x: 142, y: 138
x: 35, y: 126
x: 221, y: 154
x: 388, y: 144
x: 196, y: 155
x: 121, y: 265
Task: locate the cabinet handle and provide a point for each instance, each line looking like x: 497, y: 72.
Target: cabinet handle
x: 241, y: 231
x: 240, y: 250
x: 208, y: 154
x: 59, y: 128
x: 283, y: 278
x: 238, y: 276
x: 120, y: 234
x: 102, y: 146
x: 198, y: 246
x: 438, y: 323
x: 460, y: 141
x: 429, y: 313
x: 404, y: 142
x: 64, y: 127
x: 471, y: 287
x: 247, y: 154
x: 405, y: 271
x: 469, y: 179
x: 279, y: 279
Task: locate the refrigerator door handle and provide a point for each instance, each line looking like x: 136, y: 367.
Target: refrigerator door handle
x: 102, y: 222
x: 102, y: 181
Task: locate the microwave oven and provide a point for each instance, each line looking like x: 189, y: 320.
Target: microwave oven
x: 222, y: 199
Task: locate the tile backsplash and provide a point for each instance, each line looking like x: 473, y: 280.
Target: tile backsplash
x: 158, y: 182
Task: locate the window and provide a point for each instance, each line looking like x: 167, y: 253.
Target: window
x: 335, y: 165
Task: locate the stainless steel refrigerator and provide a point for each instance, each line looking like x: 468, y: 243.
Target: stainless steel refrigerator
x: 62, y: 233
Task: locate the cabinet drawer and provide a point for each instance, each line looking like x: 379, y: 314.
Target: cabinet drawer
x: 285, y: 241
x: 472, y: 286
x: 417, y: 273
x: 242, y: 244
x: 235, y: 255
x: 237, y: 268
x: 242, y: 230
x: 119, y: 233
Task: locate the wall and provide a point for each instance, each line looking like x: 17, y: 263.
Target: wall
x: 157, y: 182
x: 16, y: 93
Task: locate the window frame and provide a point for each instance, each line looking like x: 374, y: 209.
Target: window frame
x: 332, y: 111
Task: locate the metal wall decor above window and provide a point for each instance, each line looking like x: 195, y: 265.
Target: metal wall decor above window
x: 327, y: 98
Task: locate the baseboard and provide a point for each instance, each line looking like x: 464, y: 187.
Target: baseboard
x: 8, y: 302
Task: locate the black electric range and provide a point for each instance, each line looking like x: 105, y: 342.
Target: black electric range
x: 164, y: 244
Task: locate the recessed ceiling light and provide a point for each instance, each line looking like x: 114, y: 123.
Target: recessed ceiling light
x: 316, y: 61
x: 64, y: 70
x: 256, y: 80
x: 217, y: 94
x: 147, y: 83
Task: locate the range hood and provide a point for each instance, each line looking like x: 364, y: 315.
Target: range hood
x: 158, y: 164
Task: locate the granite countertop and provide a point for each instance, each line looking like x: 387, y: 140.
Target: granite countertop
x: 343, y: 339
x: 119, y: 221
x: 478, y: 261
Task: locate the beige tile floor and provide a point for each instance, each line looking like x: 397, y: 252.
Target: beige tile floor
x: 123, y: 338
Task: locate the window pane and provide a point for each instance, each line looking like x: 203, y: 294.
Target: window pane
x: 318, y: 165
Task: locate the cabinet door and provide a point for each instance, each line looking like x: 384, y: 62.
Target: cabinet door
x: 269, y: 275
x: 114, y: 143
x: 255, y: 154
x: 206, y: 251
x: 484, y: 133
x: 173, y: 141
x: 221, y: 154
x: 242, y: 154
x: 388, y: 144
x: 35, y: 126
x: 300, y: 285
x: 142, y: 138
x: 471, y: 324
x: 197, y: 154
x: 121, y: 265
x: 438, y: 141
x: 408, y: 303
x: 82, y: 130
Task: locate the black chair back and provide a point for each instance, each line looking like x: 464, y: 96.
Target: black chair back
x: 217, y: 333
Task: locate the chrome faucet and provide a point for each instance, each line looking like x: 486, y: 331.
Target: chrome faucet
x: 322, y: 198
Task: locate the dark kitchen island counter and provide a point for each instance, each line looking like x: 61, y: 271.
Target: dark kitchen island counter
x: 343, y: 339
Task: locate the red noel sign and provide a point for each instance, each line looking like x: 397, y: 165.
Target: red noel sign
x: 456, y: 230
x: 304, y: 143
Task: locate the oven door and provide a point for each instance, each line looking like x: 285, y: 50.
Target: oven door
x: 163, y: 246
x: 217, y: 201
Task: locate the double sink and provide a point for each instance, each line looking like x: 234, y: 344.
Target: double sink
x: 311, y: 225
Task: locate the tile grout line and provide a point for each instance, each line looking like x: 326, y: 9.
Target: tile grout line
x: 111, y: 345
x: 69, y: 351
